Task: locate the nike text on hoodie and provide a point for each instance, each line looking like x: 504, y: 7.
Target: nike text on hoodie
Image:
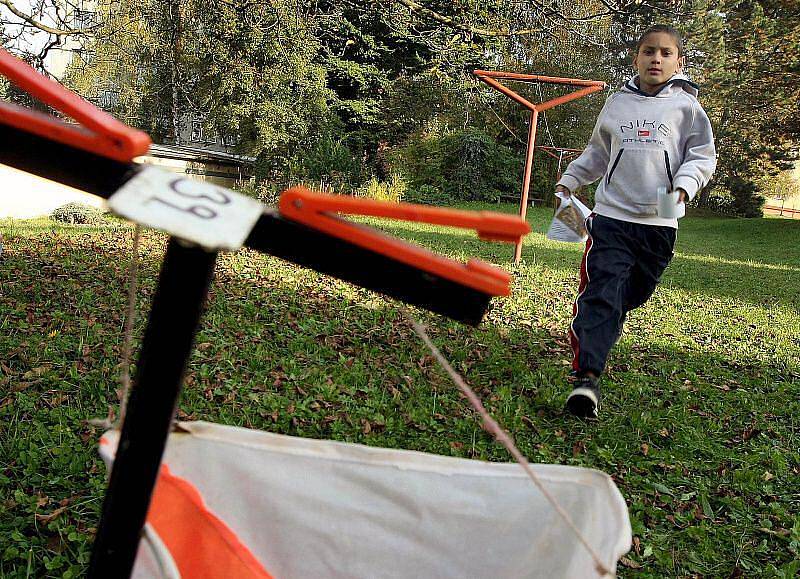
x: 642, y: 142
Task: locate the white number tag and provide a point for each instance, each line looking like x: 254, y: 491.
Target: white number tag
x: 213, y: 217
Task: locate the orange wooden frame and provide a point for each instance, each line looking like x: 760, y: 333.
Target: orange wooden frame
x: 100, y: 133
x: 493, y: 78
x: 321, y: 211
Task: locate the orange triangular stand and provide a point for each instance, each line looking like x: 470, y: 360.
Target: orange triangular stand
x: 493, y: 78
x: 100, y: 133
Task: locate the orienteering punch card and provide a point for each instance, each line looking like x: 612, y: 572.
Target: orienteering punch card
x: 569, y: 220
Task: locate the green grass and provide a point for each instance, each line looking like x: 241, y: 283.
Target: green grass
x: 699, y: 426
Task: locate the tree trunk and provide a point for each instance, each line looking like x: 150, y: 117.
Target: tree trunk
x: 175, y: 9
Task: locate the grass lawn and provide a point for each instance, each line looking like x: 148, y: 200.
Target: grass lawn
x: 699, y: 426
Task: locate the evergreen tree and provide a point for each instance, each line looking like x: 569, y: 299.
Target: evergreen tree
x: 743, y: 53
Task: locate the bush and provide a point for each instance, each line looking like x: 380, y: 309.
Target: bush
x: 392, y: 190
x: 269, y: 194
x: 466, y: 165
x: 266, y: 193
x: 428, y: 195
x: 330, y: 162
x: 735, y: 197
x: 747, y: 200
x: 720, y: 202
x: 78, y: 214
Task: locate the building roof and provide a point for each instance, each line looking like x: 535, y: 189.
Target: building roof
x: 199, y: 154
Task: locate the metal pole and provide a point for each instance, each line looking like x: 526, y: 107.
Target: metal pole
x: 538, y: 78
x: 508, y: 92
x: 489, y: 77
x: 526, y: 179
x: 177, y: 306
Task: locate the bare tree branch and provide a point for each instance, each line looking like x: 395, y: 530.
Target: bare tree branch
x: 547, y: 13
x: 31, y: 21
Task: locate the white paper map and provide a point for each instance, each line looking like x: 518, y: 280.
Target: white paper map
x: 569, y: 220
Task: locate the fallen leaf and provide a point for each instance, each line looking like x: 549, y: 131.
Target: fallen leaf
x: 35, y: 372
x: 528, y: 422
x: 662, y: 489
x: 51, y: 516
x: 55, y: 544
x: 750, y: 433
x: 21, y: 386
x: 630, y: 564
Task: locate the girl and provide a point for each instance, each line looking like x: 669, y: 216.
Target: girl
x: 652, y: 133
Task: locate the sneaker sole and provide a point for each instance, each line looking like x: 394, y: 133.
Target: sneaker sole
x: 583, y: 402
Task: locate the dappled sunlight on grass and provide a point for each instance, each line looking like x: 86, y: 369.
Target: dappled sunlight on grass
x: 711, y: 259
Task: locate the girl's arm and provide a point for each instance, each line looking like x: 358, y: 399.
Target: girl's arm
x: 700, y: 157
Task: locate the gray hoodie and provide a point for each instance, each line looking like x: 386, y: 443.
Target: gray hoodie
x: 642, y: 142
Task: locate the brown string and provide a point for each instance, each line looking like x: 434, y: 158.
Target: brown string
x: 127, y: 340
x: 491, y: 426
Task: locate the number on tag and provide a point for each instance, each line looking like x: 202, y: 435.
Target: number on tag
x: 213, y: 217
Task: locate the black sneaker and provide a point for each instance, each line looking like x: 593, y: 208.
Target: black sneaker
x: 584, y: 400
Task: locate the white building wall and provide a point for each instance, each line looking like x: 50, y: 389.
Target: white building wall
x: 23, y: 195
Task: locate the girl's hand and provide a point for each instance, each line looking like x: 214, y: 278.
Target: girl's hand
x: 562, y: 189
x: 682, y: 196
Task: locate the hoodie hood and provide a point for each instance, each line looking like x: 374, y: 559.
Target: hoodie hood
x: 676, y: 83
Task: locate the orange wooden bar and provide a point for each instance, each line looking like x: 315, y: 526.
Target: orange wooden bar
x: 322, y: 212
x: 99, y: 132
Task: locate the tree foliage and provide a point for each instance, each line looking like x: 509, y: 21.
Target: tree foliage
x: 329, y: 89
x: 743, y: 52
x: 242, y: 68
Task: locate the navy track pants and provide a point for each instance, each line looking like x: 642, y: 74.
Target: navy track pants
x: 621, y: 266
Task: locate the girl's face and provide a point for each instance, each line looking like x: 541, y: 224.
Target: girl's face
x: 657, y: 61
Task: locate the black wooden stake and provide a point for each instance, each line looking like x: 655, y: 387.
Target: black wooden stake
x: 174, y: 318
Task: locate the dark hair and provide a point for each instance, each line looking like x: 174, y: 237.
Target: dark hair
x: 662, y: 28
